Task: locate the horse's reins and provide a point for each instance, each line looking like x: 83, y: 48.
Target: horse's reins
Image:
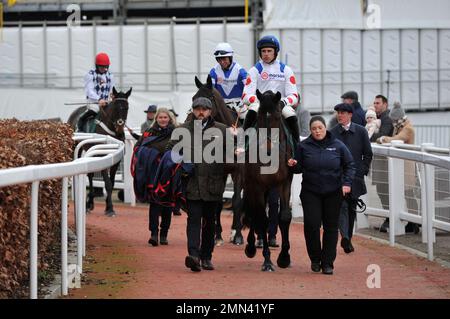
x: 103, y: 125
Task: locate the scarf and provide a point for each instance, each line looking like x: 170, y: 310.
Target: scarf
x: 399, y: 124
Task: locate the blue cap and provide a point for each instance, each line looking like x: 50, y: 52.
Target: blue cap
x: 151, y: 108
x: 344, y: 107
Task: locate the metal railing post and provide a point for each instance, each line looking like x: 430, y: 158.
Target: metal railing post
x: 64, y: 197
x: 34, y: 240
x: 396, y: 173
x: 128, y: 190
x: 79, y: 212
x: 429, y: 183
x: 423, y: 194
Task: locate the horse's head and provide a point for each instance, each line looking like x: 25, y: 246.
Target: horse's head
x: 117, y: 110
x: 219, y: 110
x: 206, y: 90
x: 269, y: 102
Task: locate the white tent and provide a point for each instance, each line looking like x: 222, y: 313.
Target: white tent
x: 357, y: 14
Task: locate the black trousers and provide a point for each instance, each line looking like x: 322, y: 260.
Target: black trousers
x: 155, y: 211
x: 200, y: 228
x: 321, y: 209
x: 347, y: 217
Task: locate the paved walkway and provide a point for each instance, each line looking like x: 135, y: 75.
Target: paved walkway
x: 120, y: 264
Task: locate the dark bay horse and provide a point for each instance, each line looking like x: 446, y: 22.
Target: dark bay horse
x: 223, y: 114
x: 257, y: 184
x: 111, y: 121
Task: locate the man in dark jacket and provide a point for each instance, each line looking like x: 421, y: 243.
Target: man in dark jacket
x: 359, y: 116
x: 356, y: 138
x: 380, y: 163
x: 205, y: 186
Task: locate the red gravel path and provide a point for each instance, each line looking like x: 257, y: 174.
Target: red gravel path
x: 120, y: 264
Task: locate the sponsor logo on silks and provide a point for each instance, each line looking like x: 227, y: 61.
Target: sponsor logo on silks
x: 219, y: 80
x: 225, y: 80
x: 271, y: 76
x: 264, y: 75
x: 331, y: 148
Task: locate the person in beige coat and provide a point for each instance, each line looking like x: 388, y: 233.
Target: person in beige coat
x: 404, y: 131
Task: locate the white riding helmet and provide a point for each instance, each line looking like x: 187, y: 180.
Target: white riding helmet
x: 223, y: 49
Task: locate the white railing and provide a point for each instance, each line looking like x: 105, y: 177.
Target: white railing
x: 113, y: 151
x: 425, y: 162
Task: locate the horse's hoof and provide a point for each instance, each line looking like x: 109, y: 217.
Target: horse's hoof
x: 250, y: 251
x: 110, y: 213
x: 267, y: 267
x: 89, y: 206
x: 284, y: 260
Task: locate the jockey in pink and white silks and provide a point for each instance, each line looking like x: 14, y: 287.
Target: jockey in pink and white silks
x: 228, y: 76
x: 271, y: 74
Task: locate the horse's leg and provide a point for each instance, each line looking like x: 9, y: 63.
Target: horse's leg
x: 261, y: 228
x: 250, y: 248
x: 109, y: 211
x: 237, y: 209
x: 90, y: 196
x: 284, y: 222
x: 112, y: 174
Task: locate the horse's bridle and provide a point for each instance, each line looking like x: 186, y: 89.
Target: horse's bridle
x: 119, y: 122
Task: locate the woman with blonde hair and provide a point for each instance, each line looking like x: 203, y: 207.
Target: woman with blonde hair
x: 156, y: 138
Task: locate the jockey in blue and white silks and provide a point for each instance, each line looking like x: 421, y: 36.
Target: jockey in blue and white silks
x: 228, y: 77
x: 271, y: 74
x: 98, y: 84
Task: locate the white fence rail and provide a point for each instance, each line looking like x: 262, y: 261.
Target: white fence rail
x: 77, y: 169
x: 430, y: 167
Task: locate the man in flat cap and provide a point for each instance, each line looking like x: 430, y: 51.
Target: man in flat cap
x: 356, y: 138
x: 151, y: 111
x: 359, y: 116
x: 205, y: 186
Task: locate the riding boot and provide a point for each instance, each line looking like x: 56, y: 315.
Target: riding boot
x: 82, y: 121
x: 250, y: 119
x: 292, y: 123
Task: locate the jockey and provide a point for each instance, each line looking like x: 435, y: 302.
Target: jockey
x: 271, y: 74
x: 98, y: 84
x: 228, y: 77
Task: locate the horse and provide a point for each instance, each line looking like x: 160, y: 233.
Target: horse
x: 111, y: 121
x: 255, y: 198
x: 223, y: 114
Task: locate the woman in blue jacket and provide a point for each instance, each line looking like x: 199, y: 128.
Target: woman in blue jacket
x: 328, y: 169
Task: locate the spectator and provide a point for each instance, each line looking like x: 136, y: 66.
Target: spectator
x: 380, y: 163
x: 373, y: 124
x: 355, y: 137
x: 151, y: 112
x: 404, y: 131
x: 328, y: 170
x: 351, y: 97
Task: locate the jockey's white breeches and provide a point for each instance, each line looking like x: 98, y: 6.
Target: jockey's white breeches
x: 287, y: 111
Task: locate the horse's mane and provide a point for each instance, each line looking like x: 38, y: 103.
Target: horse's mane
x: 223, y: 113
